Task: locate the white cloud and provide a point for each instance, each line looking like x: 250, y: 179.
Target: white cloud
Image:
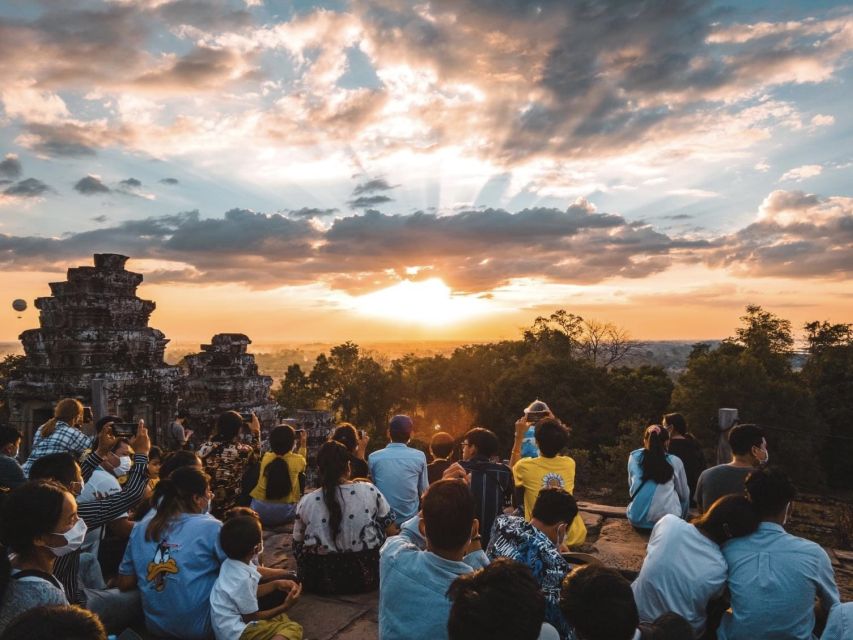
x: 822, y: 120
x: 798, y: 174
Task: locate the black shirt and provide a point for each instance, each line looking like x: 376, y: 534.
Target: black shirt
x: 492, y: 486
x: 690, y: 453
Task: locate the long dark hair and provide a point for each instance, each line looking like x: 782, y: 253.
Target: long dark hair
x: 731, y: 516
x: 678, y: 424
x: 174, y: 496
x: 347, y: 435
x: 228, y: 426
x: 332, y: 459
x: 30, y: 511
x: 654, y: 463
x: 277, y: 472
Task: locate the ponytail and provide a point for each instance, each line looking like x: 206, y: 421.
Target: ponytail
x: 174, y: 496
x: 332, y: 459
x: 277, y: 472
x: 67, y: 410
x: 654, y: 463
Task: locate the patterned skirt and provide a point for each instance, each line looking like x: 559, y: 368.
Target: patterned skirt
x: 338, y: 573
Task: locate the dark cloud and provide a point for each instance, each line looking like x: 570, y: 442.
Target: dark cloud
x: 70, y: 140
x: 100, y: 219
x: 371, y: 186
x: 131, y: 183
x: 169, y: 181
x: 311, y: 212
x: 29, y: 188
x: 204, y: 14
x: 91, y: 185
x: 10, y: 167
x: 678, y: 216
x: 365, y: 202
x: 201, y: 68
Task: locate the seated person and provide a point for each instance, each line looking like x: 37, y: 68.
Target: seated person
x: 684, y: 568
x: 669, y: 626
x: 839, y: 625
x: 491, y: 482
x: 229, y: 455
x: 399, y: 471
x: 440, y: 447
x: 11, y: 472
x: 774, y: 577
x: 549, y: 469
x: 38, y: 523
x: 749, y: 452
x: 482, y: 599
x: 281, y: 477
x: 155, y: 461
x: 60, y: 434
x: 686, y: 448
x: 339, y: 528
x: 234, y: 606
x: 418, y: 566
x: 537, y: 545
x: 54, y: 623
x: 656, y: 481
x: 356, y: 444
x: 598, y: 602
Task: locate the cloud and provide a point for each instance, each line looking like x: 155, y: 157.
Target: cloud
x: 371, y: 186
x: 801, y: 173
x: 822, y: 120
x: 130, y: 183
x: 91, y: 185
x: 29, y: 188
x: 694, y: 193
x: 311, y: 212
x: 100, y: 218
x: 762, y: 166
x: 10, y: 166
x: 169, y: 181
x: 365, y: 202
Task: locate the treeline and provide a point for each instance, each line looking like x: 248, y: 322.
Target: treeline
x: 574, y: 366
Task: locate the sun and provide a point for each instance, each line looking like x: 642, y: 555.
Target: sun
x: 427, y: 302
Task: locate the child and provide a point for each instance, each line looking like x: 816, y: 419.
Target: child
x: 234, y: 599
x: 155, y: 459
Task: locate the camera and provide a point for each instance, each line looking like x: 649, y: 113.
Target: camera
x: 124, y: 429
x: 246, y: 415
x: 87, y: 415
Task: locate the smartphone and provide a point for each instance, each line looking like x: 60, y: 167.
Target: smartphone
x: 361, y: 434
x: 247, y: 416
x: 87, y: 415
x: 124, y: 429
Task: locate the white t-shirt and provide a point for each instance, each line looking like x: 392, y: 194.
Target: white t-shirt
x: 682, y: 571
x: 99, y: 486
x: 234, y: 594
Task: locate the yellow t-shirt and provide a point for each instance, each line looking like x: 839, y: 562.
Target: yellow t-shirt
x: 535, y: 474
x: 295, y: 462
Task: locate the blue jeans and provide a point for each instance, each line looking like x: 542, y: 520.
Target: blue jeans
x: 273, y: 514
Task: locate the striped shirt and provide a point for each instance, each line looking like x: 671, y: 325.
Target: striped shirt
x: 492, y: 487
x: 64, y: 439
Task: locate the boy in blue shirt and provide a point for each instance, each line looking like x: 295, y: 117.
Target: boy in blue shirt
x: 399, y: 471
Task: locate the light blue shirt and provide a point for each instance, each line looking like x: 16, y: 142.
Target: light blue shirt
x: 773, y: 580
x: 400, y: 473
x: 652, y: 501
x: 839, y: 626
x: 413, y: 585
x: 175, y: 574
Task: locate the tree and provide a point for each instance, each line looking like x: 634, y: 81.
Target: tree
x: 296, y: 391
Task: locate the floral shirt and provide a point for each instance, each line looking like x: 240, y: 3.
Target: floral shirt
x: 226, y: 463
x: 514, y: 538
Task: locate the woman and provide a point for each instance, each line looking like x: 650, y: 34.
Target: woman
x: 347, y: 435
x: 684, y: 568
x: 339, y: 528
x: 282, y: 473
x: 656, y: 481
x: 60, y: 434
x: 38, y: 523
x: 227, y: 458
x: 683, y: 445
x: 173, y: 557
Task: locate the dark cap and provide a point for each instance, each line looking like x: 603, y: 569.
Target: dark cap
x: 400, y: 425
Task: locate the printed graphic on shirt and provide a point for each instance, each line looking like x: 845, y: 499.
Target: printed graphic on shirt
x: 553, y: 481
x: 162, y: 564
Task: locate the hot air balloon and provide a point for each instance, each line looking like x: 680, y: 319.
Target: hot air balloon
x: 19, y: 305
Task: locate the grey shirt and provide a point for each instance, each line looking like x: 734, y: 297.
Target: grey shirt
x: 719, y: 481
x: 28, y: 593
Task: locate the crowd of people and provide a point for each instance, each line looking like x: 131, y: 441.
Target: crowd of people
x: 100, y: 533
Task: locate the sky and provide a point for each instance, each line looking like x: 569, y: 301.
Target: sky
x: 396, y: 170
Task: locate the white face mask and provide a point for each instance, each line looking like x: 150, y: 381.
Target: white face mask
x: 124, y: 464
x: 256, y: 559
x: 73, y: 539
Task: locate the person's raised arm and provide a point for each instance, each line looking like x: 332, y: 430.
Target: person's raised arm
x: 302, y: 449
x: 103, y: 445
x: 521, y: 426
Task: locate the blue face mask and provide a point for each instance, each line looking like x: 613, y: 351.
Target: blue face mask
x: 206, y: 508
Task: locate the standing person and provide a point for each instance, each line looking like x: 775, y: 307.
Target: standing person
x: 547, y: 470
x: 38, y: 523
x: 440, y: 447
x: 282, y: 473
x: 11, y: 473
x: 656, y: 481
x: 683, y: 445
x: 491, y: 482
x: 178, y: 435
x: 339, y: 528
x: 356, y: 443
x: 398, y: 471
x: 226, y: 458
x: 749, y: 452
x: 60, y: 434
x: 684, y: 568
x: 173, y: 557
x: 774, y: 577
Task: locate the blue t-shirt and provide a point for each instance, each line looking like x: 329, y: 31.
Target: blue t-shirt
x: 400, y: 473
x: 175, y: 574
x: 529, y: 448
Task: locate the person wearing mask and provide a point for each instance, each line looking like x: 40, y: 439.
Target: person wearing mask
x: 38, y: 524
x: 227, y: 456
x: 282, y: 473
x: 684, y: 569
x: 339, y: 529
x: 686, y: 448
x: 173, y: 558
x: 356, y: 444
x: 548, y: 469
x: 11, y: 473
x: 656, y: 482
x: 399, y: 471
x: 749, y: 451
x: 440, y: 447
x: 60, y: 434
x: 775, y: 577
x: 536, y: 544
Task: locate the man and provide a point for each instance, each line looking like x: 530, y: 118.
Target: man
x: 441, y: 446
x: 537, y: 545
x: 417, y: 567
x: 774, y: 577
x: 491, y: 482
x: 178, y: 434
x: 11, y: 473
x: 398, y: 471
x: 598, y: 602
x: 749, y: 451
